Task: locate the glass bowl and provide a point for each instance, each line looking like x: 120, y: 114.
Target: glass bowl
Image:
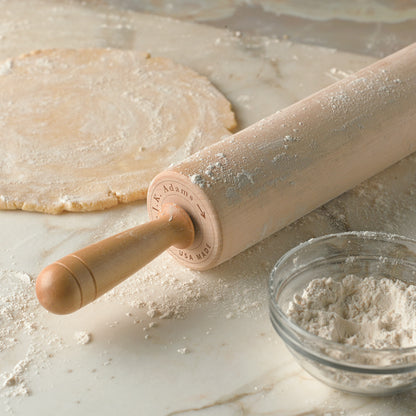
x: 365, y: 371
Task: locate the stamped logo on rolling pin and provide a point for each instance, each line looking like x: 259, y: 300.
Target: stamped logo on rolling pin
x: 171, y: 187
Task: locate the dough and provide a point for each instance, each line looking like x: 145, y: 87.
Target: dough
x: 84, y: 130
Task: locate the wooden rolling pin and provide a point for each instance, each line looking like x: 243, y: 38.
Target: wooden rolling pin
x: 240, y: 190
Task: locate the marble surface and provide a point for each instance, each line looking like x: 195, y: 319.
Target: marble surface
x: 170, y: 341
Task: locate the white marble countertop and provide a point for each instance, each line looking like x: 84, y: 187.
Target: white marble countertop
x: 170, y: 341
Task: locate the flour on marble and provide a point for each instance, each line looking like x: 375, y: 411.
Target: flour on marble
x: 183, y: 350
x: 20, y: 325
x: 165, y: 290
x: 82, y: 337
x: 367, y: 312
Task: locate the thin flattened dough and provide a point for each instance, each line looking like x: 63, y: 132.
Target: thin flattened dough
x: 84, y: 130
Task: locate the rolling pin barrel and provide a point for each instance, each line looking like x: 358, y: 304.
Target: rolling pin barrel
x: 246, y: 187
x: 242, y: 189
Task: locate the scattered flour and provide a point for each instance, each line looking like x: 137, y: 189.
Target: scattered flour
x: 163, y: 290
x: 198, y: 180
x: 82, y: 337
x: 160, y: 291
x: 20, y: 317
x: 369, y: 312
x: 6, y: 66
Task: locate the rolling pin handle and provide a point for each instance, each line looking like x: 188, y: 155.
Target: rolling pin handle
x: 79, y: 278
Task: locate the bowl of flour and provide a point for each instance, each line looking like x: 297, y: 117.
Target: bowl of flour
x: 345, y: 305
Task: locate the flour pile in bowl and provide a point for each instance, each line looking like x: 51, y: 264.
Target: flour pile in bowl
x: 367, y: 312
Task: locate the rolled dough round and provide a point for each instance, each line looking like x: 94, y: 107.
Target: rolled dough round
x: 86, y: 129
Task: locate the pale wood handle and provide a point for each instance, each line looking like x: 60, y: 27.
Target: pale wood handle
x: 77, y: 279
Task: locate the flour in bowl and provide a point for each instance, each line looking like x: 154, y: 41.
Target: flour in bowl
x: 367, y: 312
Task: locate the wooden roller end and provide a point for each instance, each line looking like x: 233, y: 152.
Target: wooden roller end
x: 57, y: 290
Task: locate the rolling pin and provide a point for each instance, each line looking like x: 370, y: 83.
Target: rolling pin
x: 232, y: 194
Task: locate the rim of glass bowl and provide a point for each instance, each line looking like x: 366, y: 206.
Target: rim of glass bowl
x: 289, y: 326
